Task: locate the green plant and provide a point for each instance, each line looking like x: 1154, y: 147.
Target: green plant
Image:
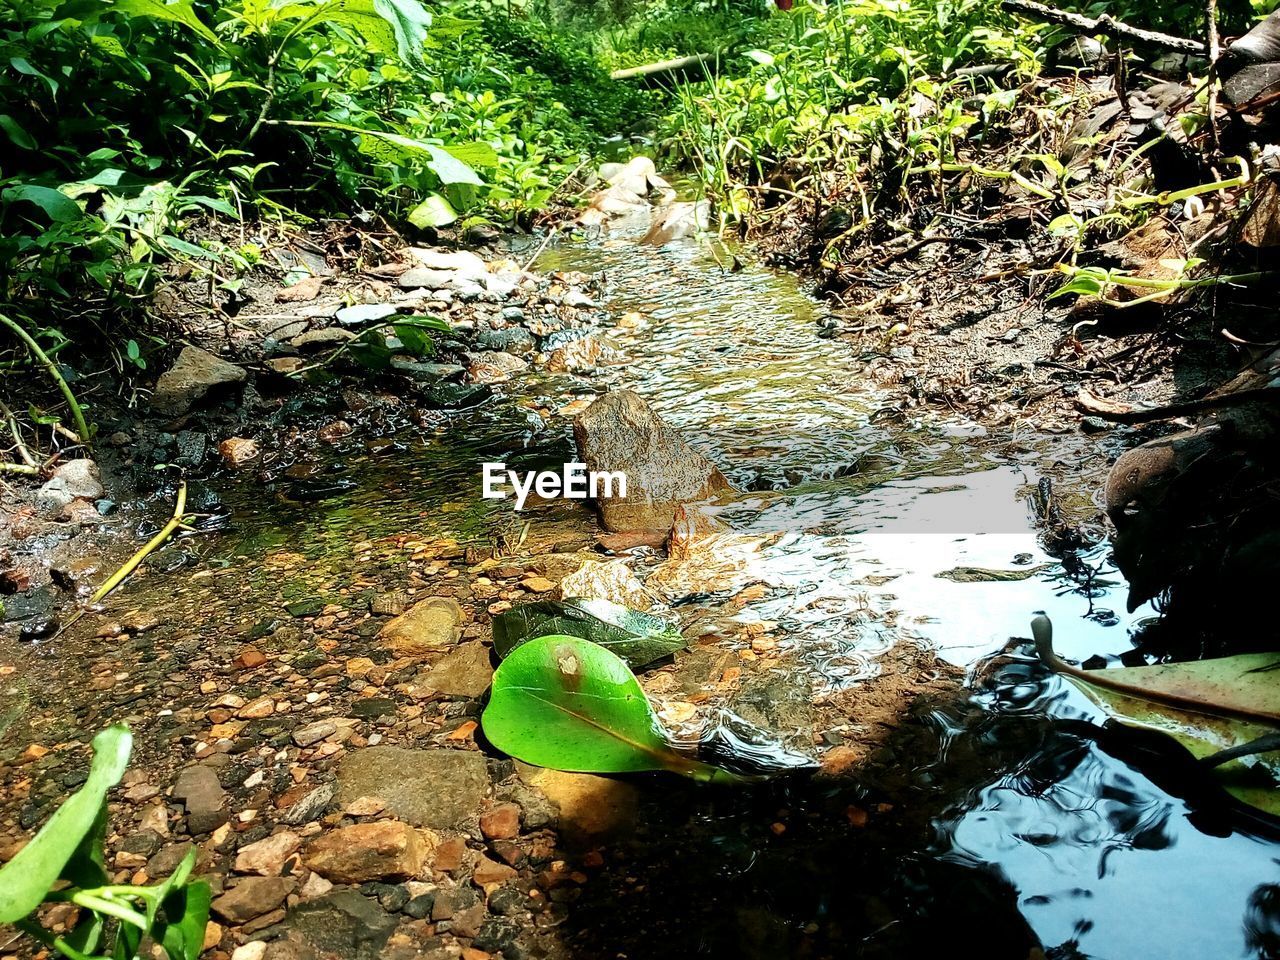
x: 64, y: 863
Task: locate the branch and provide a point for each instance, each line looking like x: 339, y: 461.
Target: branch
x: 1122, y: 413
x: 1104, y: 24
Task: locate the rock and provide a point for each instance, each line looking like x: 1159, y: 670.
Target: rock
x: 582, y: 355
x: 71, y: 481
x: 494, y: 366
x: 195, y: 375
x: 516, y: 340
x: 203, y: 797
x: 365, y: 313
x: 313, y: 733
x: 781, y: 703
x: 677, y: 221
x: 459, y: 261
x: 252, y: 897
x: 267, y: 857
x: 168, y: 859
x: 75, y: 576
x: 428, y: 788
x: 238, y: 451
x: 501, y: 823
x: 490, y: 871
x: 325, y: 338
x: 192, y: 448
x: 589, y: 806
x: 620, y: 433
x: 420, y: 277
x: 312, y: 806
x: 1253, y: 81
x: 537, y: 584
x: 289, y: 949
x: 253, y: 950
x: 431, y: 625
x: 384, y: 849
x: 610, y: 580
x: 343, y: 924
x: 308, y: 288
x: 284, y: 365
x: 1260, y: 45
x: 465, y: 672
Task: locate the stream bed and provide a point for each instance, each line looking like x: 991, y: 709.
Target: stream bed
x: 996, y: 818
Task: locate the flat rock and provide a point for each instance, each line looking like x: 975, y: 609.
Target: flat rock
x: 589, y: 806
x: 343, y: 924
x: 428, y: 626
x: 381, y: 850
x: 267, y: 857
x: 610, y: 580
x: 1251, y: 82
x: 252, y: 897
x: 195, y: 375
x: 203, y: 797
x: 465, y: 672
x: 459, y: 261
x: 494, y: 366
x: 619, y: 432
x: 428, y: 788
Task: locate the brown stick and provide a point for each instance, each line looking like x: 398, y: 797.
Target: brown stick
x: 1108, y: 410
x: 1211, y: 102
x: 1104, y: 24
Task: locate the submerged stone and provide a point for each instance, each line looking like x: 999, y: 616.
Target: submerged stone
x: 427, y: 788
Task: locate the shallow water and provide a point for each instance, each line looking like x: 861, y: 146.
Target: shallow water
x: 998, y: 822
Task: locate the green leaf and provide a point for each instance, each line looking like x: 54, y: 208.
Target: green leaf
x: 16, y: 132
x: 181, y: 11
x: 435, y: 211
x: 390, y: 27
x: 26, y: 878
x: 569, y: 704
x: 183, y: 937
x: 57, y: 205
x: 410, y: 22
x: 638, y: 638
x: 474, y: 154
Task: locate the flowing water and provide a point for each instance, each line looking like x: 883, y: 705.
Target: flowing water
x: 1002, y: 821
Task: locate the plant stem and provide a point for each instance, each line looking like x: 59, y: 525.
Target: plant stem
x: 23, y: 452
x: 117, y: 578
x: 25, y: 468
x: 82, y: 428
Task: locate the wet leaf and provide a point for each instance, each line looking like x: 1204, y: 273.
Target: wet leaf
x: 26, y: 878
x: 638, y: 638
x: 1206, y: 705
x: 569, y: 704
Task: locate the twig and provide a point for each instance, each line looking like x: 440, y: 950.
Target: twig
x: 24, y: 468
x: 51, y: 368
x: 23, y: 452
x: 1107, y: 410
x: 537, y: 253
x: 1103, y: 24
x: 1211, y: 102
x: 117, y: 578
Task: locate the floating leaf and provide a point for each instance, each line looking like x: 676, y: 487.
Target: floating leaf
x: 26, y: 878
x: 569, y: 704
x: 638, y: 638
x: 1206, y: 705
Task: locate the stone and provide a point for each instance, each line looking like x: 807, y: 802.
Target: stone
x: 168, y: 859
x: 313, y: 733
x: 420, y: 277
x: 267, y: 857
x: 428, y: 626
x: 589, y: 806
x: 238, y: 451
x: 323, y: 339
x: 252, y: 897
x: 364, y: 313
x: 581, y: 355
x: 501, y: 823
x: 620, y: 433
x: 253, y: 950
x: 494, y: 366
x: 290, y: 949
x: 459, y: 261
x: 610, y: 580
x: 490, y: 871
x: 312, y: 806
x: 343, y: 924
x: 428, y: 788
x: 203, y: 797
x: 384, y: 849
x: 71, y: 481
x: 194, y: 376
x: 515, y: 340
x: 464, y: 672
x: 1253, y: 81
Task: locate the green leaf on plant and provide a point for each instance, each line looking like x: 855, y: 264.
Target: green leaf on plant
x: 435, y: 211
x: 26, y: 878
x: 569, y: 704
x: 180, y: 11
x: 57, y: 205
x: 638, y: 638
x: 16, y: 132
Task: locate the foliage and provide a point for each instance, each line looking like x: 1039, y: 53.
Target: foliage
x: 850, y: 87
x: 570, y: 704
x: 67, y: 854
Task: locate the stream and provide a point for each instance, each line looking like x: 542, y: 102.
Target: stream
x: 995, y: 822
